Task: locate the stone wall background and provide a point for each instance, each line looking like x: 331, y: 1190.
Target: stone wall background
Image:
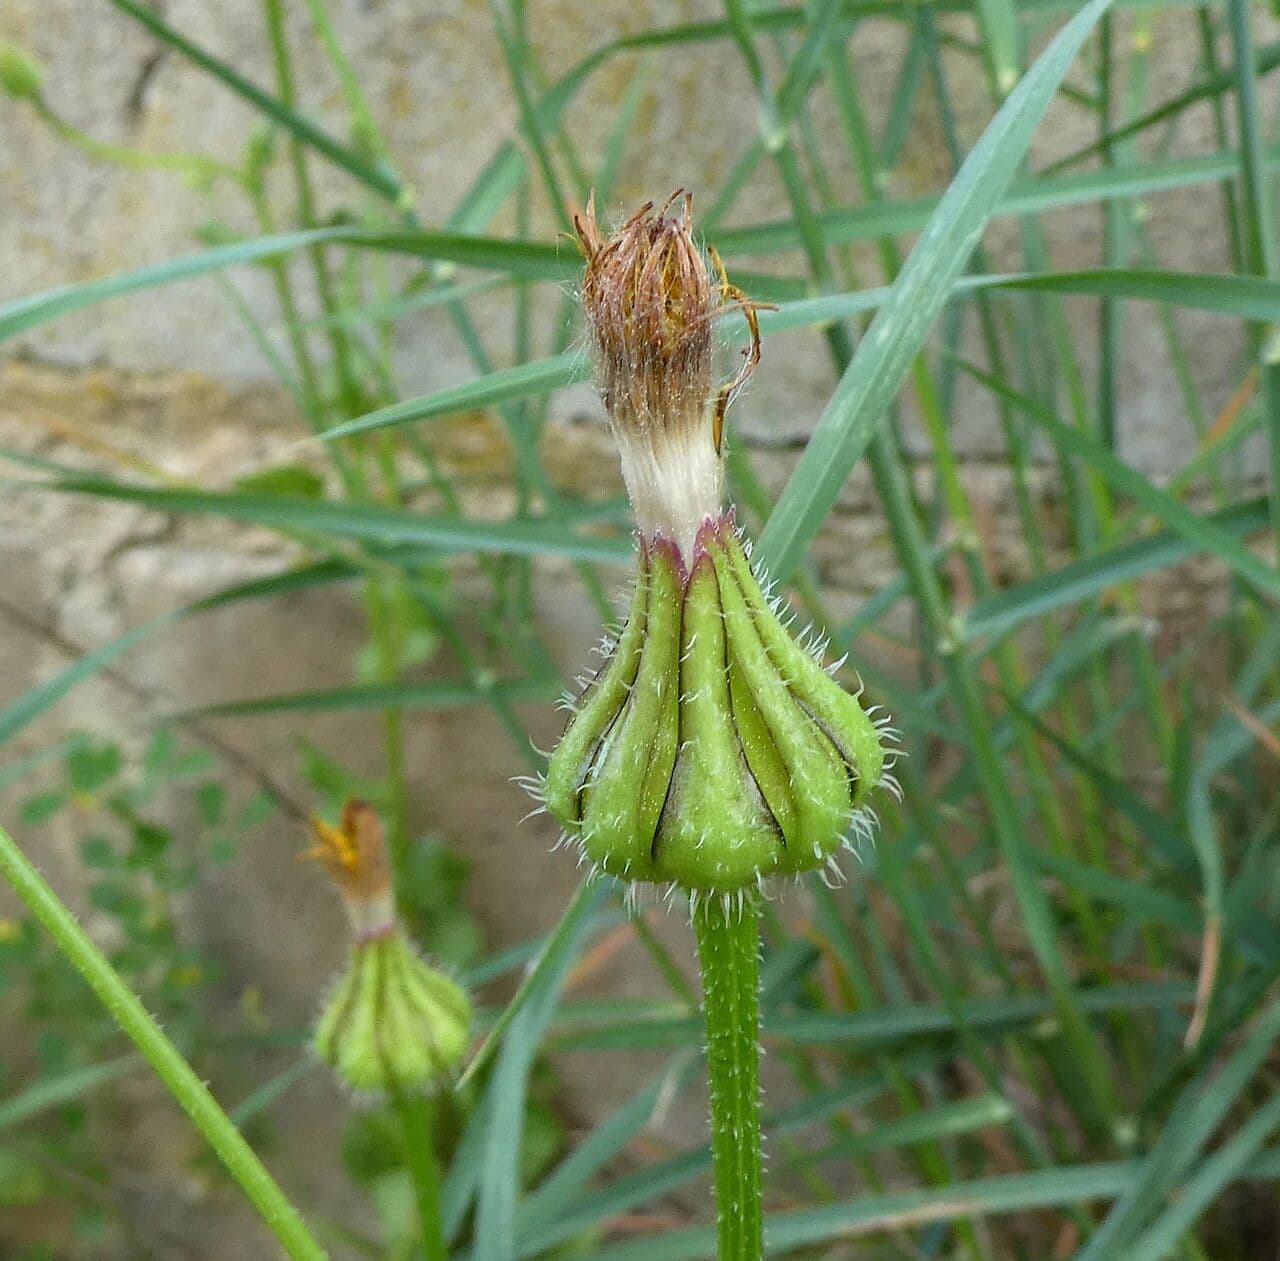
x: 170, y: 375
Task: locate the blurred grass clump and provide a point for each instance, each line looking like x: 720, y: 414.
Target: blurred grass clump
x: 1042, y: 1019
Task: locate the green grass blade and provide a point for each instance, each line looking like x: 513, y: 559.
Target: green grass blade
x: 527, y: 260
x: 25, y: 313
x: 886, y: 351
x: 388, y: 696
x: 602, y: 1145
x: 1200, y: 532
x: 28, y: 707
x: 499, y: 1188
x: 1213, y: 85
x: 945, y: 1120
x: 1248, y: 297
x: 368, y: 522
x: 1096, y: 573
x: 190, y: 1092
x: 580, y: 909
x: 377, y: 178
x: 872, y: 1029
x: 53, y: 1092
x: 1208, y: 1183
x: 1027, y: 196
x: 1199, y: 1110
x: 536, y: 377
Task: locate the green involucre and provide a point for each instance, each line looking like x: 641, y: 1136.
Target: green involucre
x: 711, y: 749
x: 393, y: 1022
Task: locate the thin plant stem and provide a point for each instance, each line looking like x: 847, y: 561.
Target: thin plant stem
x: 182, y: 1081
x: 728, y: 933
x: 416, y: 1113
x: 306, y: 197
x: 194, y: 165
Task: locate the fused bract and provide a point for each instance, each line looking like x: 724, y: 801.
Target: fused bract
x: 711, y: 749
x: 392, y: 1022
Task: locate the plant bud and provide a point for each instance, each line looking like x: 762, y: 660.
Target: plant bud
x: 711, y: 749
x: 21, y: 76
x: 392, y: 1022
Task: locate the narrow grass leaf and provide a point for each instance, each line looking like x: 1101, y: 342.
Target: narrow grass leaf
x: 604, y: 1142
x: 1191, y: 1122
x: 384, y: 696
x: 1210, y: 1180
x: 524, y: 379
x: 1027, y: 196
x: 28, y: 707
x: 377, y: 178
x: 1096, y: 573
x: 886, y: 351
x: 53, y: 1092
x: 499, y: 1188
x: 1201, y: 532
x: 369, y: 522
x: 25, y: 313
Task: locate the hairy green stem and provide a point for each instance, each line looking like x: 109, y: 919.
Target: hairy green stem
x: 239, y: 1159
x: 728, y: 933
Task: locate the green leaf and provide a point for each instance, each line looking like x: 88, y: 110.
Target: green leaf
x: 41, y: 807
x: 873, y: 1028
x: 376, y: 177
x: 28, y: 707
x: 369, y: 522
x: 1202, y: 1190
x: 393, y: 696
x: 602, y: 1145
x: 1201, y: 532
x: 883, y: 1212
x: 1246, y: 297
x: 1093, y: 574
x: 1212, y: 85
x: 1027, y: 196
x: 1200, y: 1108
x: 900, y: 327
x: 499, y: 1187
x: 536, y: 377
x: 25, y: 313
x: 284, y: 479
x: 52, y: 1092
x: 92, y: 766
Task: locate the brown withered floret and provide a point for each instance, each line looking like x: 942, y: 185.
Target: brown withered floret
x: 650, y: 301
x: 354, y: 853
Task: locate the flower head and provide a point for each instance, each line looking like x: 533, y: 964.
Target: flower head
x: 711, y: 749
x: 392, y: 1022
x: 650, y: 303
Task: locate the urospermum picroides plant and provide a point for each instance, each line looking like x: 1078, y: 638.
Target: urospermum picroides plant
x: 711, y: 749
